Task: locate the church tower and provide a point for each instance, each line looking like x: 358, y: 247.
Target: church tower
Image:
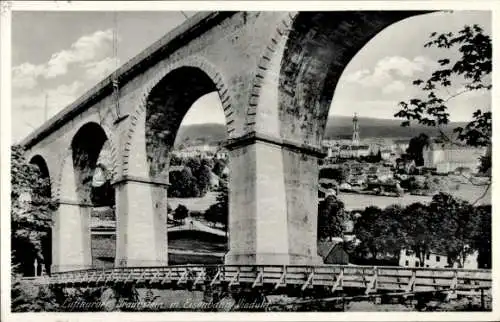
x: 355, y: 130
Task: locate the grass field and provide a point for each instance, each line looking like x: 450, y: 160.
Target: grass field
x: 197, y: 241
x: 466, y: 192
x: 184, y: 259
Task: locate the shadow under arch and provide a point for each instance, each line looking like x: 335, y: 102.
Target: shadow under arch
x: 146, y: 155
x: 86, y: 192
x: 86, y: 147
x: 167, y: 105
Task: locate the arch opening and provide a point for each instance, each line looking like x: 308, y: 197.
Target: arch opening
x: 40, y: 196
x: 319, y: 47
x: 92, y: 167
x: 186, y: 153
x: 308, y: 54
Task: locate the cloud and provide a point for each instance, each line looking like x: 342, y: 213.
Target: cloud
x: 97, y: 70
x: 387, y: 69
x: 376, y: 108
x: 88, y: 48
x: 57, y: 98
x: 28, y: 109
x: 25, y: 75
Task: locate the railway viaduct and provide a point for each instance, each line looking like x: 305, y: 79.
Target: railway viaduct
x: 275, y: 73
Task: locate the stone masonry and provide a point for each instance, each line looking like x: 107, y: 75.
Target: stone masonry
x: 275, y: 73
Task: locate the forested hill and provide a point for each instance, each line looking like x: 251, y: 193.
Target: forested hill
x: 337, y: 127
x: 341, y: 126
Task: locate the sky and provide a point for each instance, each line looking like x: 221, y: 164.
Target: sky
x: 58, y: 56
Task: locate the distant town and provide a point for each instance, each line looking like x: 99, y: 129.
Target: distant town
x: 361, y: 172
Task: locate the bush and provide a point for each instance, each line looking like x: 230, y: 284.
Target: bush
x: 29, y: 297
x: 181, y: 212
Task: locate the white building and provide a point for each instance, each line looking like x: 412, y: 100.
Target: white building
x: 203, y: 150
x: 353, y: 151
x: 447, y: 158
x: 399, y: 146
x: 408, y: 258
x: 385, y: 154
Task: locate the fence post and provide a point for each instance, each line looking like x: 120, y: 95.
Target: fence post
x: 482, y: 299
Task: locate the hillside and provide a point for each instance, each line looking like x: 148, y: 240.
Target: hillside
x: 341, y: 127
x: 202, y: 133
x: 337, y: 127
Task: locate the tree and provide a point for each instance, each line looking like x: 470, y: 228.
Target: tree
x: 338, y: 174
x: 31, y: 211
x: 447, y: 225
x: 29, y: 297
x: 367, y: 229
x: 198, y: 182
x: 416, y: 147
x: 181, y: 212
x: 472, y: 69
x: 219, y: 166
x: 482, y: 236
x: 219, y: 212
x: 389, y: 236
x: 456, y: 225
x: 175, y: 160
x: 203, y: 175
x: 183, y: 184
x: 420, y: 230
x: 331, y: 218
x: 380, y: 232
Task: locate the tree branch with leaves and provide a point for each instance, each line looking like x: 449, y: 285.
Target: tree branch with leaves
x: 31, y: 211
x: 469, y: 72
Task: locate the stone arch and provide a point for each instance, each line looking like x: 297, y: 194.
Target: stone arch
x: 82, y: 198
x: 41, y: 163
x: 46, y: 192
x: 298, y: 37
x: 191, y: 62
x: 68, y: 153
x: 263, y: 69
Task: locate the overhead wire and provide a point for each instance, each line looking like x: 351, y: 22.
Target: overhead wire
x: 115, y: 81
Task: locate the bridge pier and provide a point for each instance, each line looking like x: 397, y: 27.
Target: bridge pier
x: 273, y: 206
x: 141, y: 233
x: 71, y: 238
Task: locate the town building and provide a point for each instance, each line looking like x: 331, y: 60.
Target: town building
x: 447, y: 158
x: 399, y: 146
x: 202, y: 150
x: 380, y: 173
x: 405, y: 165
x: 408, y: 258
x: 333, y: 252
x: 221, y: 154
x: 348, y: 149
x: 385, y: 154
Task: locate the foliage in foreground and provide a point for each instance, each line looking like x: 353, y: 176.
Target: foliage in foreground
x: 448, y: 225
x: 470, y: 71
x: 31, y: 211
x: 27, y: 296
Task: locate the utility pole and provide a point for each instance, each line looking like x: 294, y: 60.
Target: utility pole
x: 46, y: 108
